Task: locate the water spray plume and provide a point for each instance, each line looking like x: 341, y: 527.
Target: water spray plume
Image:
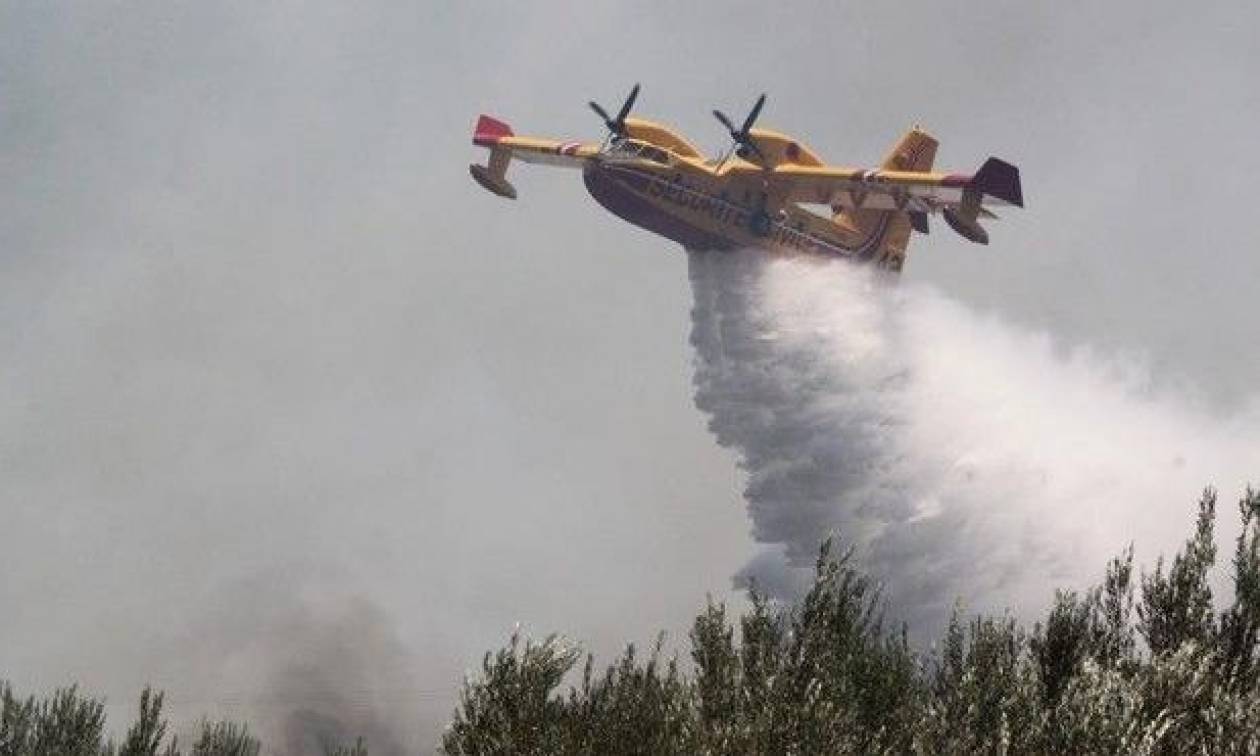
x: 958, y: 454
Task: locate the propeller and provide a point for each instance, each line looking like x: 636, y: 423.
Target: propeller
x: 741, y: 136
x: 617, y: 126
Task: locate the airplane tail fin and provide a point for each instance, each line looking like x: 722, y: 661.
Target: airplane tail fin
x: 493, y: 175
x: 997, y: 179
x: 887, y: 232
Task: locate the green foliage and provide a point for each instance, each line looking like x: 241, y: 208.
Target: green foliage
x: 1111, y: 624
x: 821, y: 677
x: 1240, y: 624
x: 608, y: 712
x: 64, y: 723
x: 1177, y: 609
x: 511, y: 709
x: 144, y: 738
x: 985, y: 694
x: 17, y: 722
x: 70, y: 724
x: 1098, y: 627
x: 225, y: 739
x: 1060, y: 648
x: 358, y: 749
x: 826, y: 676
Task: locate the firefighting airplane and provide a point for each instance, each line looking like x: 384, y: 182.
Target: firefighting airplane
x: 759, y: 191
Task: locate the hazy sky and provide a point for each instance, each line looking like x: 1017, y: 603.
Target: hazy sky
x: 269, y: 353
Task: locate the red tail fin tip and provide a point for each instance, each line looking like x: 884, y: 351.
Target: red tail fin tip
x: 489, y: 131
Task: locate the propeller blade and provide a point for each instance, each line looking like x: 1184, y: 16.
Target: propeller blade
x: 725, y: 122
x: 601, y: 113
x: 741, y: 136
x: 752, y: 115
x: 625, y: 109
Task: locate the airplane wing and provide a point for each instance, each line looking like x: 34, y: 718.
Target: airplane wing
x: 962, y: 199
x: 504, y: 146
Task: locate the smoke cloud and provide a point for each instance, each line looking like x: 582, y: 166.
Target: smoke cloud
x: 309, y: 663
x: 960, y: 456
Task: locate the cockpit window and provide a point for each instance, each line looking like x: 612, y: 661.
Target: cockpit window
x: 621, y: 149
x: 655, y: 154
x: 629, y: 149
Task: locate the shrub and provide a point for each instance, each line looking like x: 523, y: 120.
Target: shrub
x: 827, y: 676
x: 68, y: 723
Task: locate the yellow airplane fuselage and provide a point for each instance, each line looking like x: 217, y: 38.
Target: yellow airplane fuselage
x: 723, y: 206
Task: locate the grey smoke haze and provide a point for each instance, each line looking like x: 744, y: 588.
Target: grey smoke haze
x: 302, y: 656
x: 260, y: 334
x: 960, y: 456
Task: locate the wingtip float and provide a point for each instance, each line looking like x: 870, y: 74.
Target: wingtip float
x: 760, y: 191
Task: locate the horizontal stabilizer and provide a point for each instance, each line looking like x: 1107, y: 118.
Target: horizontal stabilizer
x: 966, y: 226
x: 489, y: 181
